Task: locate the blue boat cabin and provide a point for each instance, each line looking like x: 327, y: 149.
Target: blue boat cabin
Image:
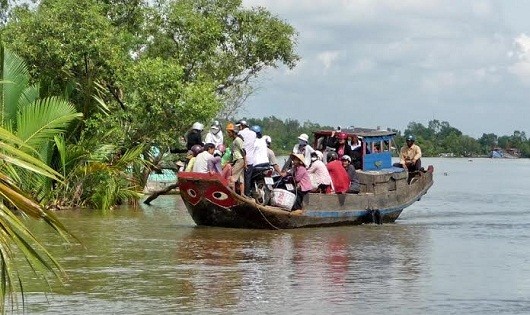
x: 376, y: 146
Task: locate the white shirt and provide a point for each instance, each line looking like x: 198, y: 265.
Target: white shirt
x: 215, y: 138
x: 201, y: 162
x: 260, y: 151
x: 306, y: 151
x: 249, y: 137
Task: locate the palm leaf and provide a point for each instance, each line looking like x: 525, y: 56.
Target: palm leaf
x: 12, y: 155
x: 13, y: 231
x: 29, y: 96
x: 39, y: 122
x: 15, y: 74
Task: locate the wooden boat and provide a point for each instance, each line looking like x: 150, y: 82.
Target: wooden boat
x: 385, y: 192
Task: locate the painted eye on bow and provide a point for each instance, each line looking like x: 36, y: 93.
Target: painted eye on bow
x: 220, y: 195
x: 189, y: 191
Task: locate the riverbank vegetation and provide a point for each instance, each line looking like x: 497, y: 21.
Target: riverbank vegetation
x: 139, y: 73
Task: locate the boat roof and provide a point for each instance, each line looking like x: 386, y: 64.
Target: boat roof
x: 360, y: 132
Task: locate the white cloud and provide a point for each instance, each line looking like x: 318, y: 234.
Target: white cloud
x: 328, y: 58
x: 440, y: 56
x: 521, y: 52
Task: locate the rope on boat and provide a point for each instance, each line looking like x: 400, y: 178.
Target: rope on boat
x: 269, y: 222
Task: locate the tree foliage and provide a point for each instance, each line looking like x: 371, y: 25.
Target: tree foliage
x: 440, y: 138
x: 144, y: 71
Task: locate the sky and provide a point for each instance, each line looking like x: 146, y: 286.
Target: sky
x: 386, y: 63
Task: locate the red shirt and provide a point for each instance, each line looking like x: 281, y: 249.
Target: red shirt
x: 339, y: 176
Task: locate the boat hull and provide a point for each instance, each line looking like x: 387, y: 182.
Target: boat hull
x: 210, y: 202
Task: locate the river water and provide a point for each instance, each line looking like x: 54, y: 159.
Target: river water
x: 462, y: 249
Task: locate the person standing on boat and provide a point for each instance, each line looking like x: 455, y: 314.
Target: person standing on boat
x: 249, y: 136
x: 271, y: 155
x: 260, y: 148
x: 355, y: 186
x: 302, y: 147
x: 237, y: 180
x: 339, y: 177
x: 301, y: 179
x: 215, y: 135
x: 410, y: 155
x: 202, y: 159
x: 339, y: 143
x: 193, y: 136
x: 319, y: 174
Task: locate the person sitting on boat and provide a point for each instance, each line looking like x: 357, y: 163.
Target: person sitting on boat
x: 271, y: 155
x: 248, y: 136
x: 237, y: 180
x: 301, y: 179
x: 338, y: 142
x: 355, y: 186
x: 193, y: 136
x: 202, y: 159
x: 340, y: 179
x: 355, y: 142
x: 302, y: 147
x: 410, y: 155
x: 214, y: 164
x: 214, y: 135
x: 319, y: 174
x: 192, y: 153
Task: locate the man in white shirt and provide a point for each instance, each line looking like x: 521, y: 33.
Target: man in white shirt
x: 260, y: 148
x: 249, y: 137
x: 201, y: 160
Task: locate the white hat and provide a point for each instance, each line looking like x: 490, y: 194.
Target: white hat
x: 197, y: 126
x: 346, y: 157
x: 304, y: 137
x: 242, y: 123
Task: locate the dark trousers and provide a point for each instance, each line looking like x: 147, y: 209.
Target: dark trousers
x: 248, y: 179
x: 299, y: 199
x: 411, y: 167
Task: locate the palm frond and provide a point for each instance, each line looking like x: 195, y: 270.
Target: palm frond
x: 39, y: 122
x: 29, y: 96
x: 15, y: 74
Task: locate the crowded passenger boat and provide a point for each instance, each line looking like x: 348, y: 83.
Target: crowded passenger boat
x: 340, y: 177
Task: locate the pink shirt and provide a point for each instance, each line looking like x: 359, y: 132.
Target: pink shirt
x: 301, y: 177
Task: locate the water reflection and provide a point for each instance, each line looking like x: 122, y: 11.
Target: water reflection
x: 159, y: 257
x: 235, y: 269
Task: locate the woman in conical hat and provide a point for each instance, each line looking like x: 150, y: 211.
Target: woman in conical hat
x: 301, y: 179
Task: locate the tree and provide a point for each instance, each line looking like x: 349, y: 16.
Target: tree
x: 220, y: 40
x: 70, y: 46
x: 148, y: 68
